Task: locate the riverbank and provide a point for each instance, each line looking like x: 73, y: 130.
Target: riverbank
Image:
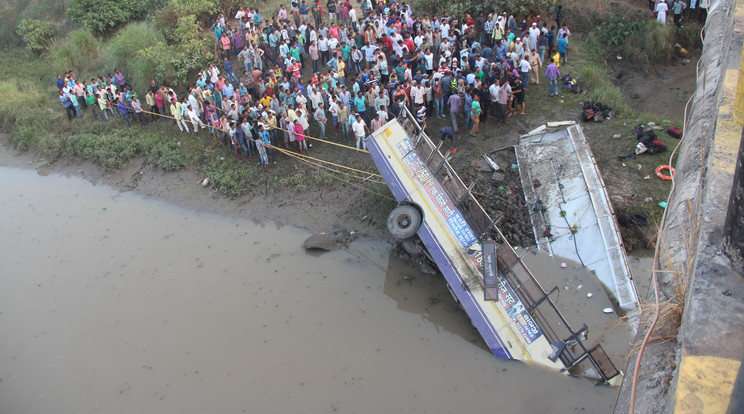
x: 325, y: 208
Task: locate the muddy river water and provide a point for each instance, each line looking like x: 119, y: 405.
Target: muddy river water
x: 114, y: 303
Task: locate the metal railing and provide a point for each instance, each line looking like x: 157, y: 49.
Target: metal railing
x: 472, y: 211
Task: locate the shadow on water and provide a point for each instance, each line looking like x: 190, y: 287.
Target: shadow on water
x: 427, y: 295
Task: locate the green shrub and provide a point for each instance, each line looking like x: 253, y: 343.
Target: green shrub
x: 22, y: 137
x: 658, y: 40
x: 52, y: 147
x: 41, y: 9
x: 122, y: 52
x: 36, y: 34
x: 166, y: 155
x: 23, y: 99
x: 611, y: 95
x: 616, y: 31
x: 102, y: 17
x: 63, y: 55
x: 98, y: 16
x: 8, y: 28
x: 26, y: 136
x: 651, y: 45
x: 593, y: 50
x: 519, y: 8
x: 580, y: 14
x: 689, y: 36
x: 178, y: 61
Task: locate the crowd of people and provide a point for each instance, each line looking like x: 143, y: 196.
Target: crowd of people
x: 661, y: 8
x: 346, y: 69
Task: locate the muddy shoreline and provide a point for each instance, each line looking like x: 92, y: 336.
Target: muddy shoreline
x: 327, y: 209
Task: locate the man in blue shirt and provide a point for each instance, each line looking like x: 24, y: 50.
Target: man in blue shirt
x: 123, y: 110
x: 563, y: 47
x: 361, y: 106
x: 67, y: 103
x: 449, y: 132
x: 229, y: 70
x: 228, y: 91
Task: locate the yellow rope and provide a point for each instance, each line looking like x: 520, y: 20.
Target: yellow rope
x: 276, y: 147
x: 346, y: 181
x: 319, y: 166
x: 309, y: 137
x: 325, y: 141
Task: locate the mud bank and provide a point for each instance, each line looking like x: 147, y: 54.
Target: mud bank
x: 334, y: 208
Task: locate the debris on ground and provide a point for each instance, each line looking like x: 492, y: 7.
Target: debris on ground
x: 491, y: 163
x: 633, y: 219
x: 648, y: 141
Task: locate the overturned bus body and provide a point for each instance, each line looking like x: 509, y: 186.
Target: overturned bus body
x: 505, y: 302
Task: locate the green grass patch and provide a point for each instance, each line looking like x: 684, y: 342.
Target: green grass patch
x: 654, y: 44
x: 121, y: 52
x: 612, y: 96
x: 593, y: 76
x: 232, y: 177
x: 113, y: 149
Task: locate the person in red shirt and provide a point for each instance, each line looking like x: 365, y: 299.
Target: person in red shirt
x: 159, y: 104
x: 409, y: 43
x: 295, y: 68
x: 469, y: 19
x: 387, y: 43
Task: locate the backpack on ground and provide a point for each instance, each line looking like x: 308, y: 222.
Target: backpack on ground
x: 674, y: 132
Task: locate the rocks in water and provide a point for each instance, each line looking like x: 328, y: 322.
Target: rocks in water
x: 320, y: 241
x: 329, y: 241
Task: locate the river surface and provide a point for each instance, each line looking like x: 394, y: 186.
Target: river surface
x: 114, y: 303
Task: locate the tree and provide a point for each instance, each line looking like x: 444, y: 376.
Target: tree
x: 519, y: 8
x: 36, y: 34
x: 188, y: 52
x: 102, y: 17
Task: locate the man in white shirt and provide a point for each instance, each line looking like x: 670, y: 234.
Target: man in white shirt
x: 359, y: 128
x: 369, y: 53
x: 417, y: 94
x: 332, y: 43
x: 333, y: 109
x: 382, y: 113
x: 524, y: 71
x: 353, y: 18
x: 323, y: 48
x: 534, y: 33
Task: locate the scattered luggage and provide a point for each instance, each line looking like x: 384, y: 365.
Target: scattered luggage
x: 596, y: 111
x: 570, y: 84
x: 674, y: 132
x: 648, y: 141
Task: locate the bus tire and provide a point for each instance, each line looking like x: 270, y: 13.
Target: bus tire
x: 403, y: 222
x: 413, y: 248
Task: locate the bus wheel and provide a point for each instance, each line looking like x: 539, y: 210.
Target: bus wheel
x: 403, y: 222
